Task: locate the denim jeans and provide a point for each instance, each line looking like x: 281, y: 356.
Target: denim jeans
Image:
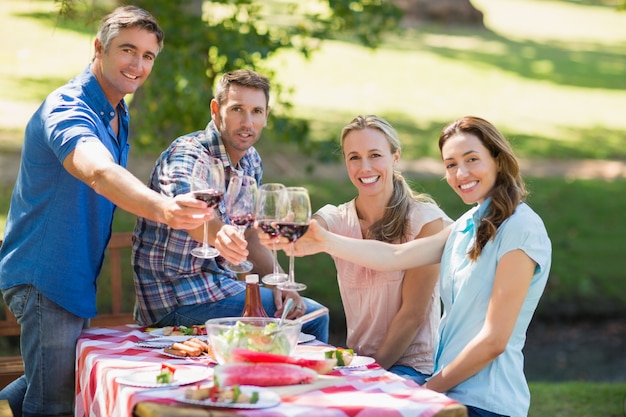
x: 409, y: 373
x: 48, y: 344
x: 233, y: 307
x: 479, y: 412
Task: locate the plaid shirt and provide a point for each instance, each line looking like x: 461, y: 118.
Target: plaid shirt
x: 166, y: 274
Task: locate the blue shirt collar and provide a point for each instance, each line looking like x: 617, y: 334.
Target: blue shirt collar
x: 97, y: 98
x: 479, y: 212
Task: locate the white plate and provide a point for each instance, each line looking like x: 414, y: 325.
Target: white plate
x: 267, y: 399
x: 304, y: 337
x: 165, y: 341
x: 357, y: 362
x: 183, y: 375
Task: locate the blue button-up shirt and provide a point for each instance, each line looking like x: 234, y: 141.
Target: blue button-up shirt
x: 466, y: 288
x: 58, y: 227
x: 166, y: 274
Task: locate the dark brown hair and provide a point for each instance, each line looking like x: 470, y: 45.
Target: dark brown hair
x: 509, y: 189
x: 244, y: 78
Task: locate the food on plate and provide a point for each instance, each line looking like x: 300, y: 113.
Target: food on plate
x: 232, y: 394
x: 189, y: 348
x: 321, y: 366
x: 195, y: 330
x: 262, y: 374
x: 166, y: 375
x: 198, y: 343
x: 248, y: 336
x: 344, y: 356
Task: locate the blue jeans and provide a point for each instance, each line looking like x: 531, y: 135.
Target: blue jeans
x: 479, y: 412
x: 233, y: 307
x: 48, y: 344
x: 409, y: 373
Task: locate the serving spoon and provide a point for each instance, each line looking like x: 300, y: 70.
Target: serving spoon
x: 286, y: 309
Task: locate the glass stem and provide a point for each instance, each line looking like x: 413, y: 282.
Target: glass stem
x: 205, y: 239
x: 275, y: 258
x: 291, y: 273
x: 240, y: 232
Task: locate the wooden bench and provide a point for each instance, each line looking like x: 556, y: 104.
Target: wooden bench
x: 113, y: 284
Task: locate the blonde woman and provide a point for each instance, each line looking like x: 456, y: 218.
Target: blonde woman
x: 392, y: 316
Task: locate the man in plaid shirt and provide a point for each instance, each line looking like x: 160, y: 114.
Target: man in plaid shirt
x: 175, y: 288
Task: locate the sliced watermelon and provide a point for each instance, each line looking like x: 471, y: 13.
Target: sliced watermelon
x: 321, y: 366
x: 262, y: 374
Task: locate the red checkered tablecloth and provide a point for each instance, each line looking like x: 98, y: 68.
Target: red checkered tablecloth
x: 105, y: 354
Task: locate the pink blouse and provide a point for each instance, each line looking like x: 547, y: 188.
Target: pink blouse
x: 371, y: 299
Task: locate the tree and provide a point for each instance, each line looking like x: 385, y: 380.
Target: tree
x: 232, y: 34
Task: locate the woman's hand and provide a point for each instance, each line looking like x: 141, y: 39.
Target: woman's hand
x: 280, y: 299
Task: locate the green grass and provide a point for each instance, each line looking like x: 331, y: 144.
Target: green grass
x: 577, y: 399
x: 556, y: 88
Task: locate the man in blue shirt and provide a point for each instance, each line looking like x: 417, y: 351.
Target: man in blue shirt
x: 72, y: 177
x: 174, y: 287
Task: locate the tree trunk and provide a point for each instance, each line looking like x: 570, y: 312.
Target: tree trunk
x: 442, y: 11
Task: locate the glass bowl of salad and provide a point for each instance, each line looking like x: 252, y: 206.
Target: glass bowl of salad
x: 259, y: 334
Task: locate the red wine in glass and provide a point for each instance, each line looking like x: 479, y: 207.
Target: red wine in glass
x: 211, y: 197
x: 207, y: 184
x: 272, y: 199
x: 244, y: 220
x: 292, y: 225
x: 268, y: 227
x: 292, y: 231
x: 240, y: 201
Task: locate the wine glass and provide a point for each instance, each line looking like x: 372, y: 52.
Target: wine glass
x: 271, y: 200
x: 293, y: 225
x: 240, y: 199
x: 207, y: 184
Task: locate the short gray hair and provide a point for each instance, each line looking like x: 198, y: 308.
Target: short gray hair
x: 125, y: 17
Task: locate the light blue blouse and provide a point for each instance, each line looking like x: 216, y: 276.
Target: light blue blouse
x: 466, y: 288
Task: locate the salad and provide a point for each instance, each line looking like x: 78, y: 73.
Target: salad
x: 195, y: 330
x: 251, y: 337
x: 166, y: 375
x: 231, y: 395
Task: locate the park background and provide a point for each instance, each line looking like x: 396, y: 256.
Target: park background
x: 550, y: 74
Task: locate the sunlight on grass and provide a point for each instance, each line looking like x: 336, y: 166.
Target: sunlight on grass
x: 530, y: 78
x: 554, y: 20
x: 427, y: 87
x: 40, y: 57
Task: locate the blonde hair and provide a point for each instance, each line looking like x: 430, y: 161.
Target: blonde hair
x: 509, y: 189
x: 393, y: 225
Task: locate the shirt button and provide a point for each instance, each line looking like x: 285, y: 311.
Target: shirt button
x: 101, y: 113
x: 112, y: 114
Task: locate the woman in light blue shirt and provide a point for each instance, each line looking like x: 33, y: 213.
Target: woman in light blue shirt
x: 495, y: 262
